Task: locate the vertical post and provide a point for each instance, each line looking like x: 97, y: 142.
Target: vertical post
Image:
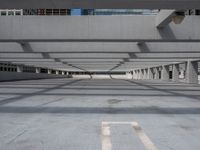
x: 145, y: 73
x: 138, y: 74
x: 19, y: 68
x: 141, y: 73
x: 37, y: 70
x: 175, y: 73
x: 135, y: 72
x: 165, y: 73
x: 49, y: 71
x: 57, y: 72
x: 150, y: 73
x: 156, y: 73
x: 192, y: 72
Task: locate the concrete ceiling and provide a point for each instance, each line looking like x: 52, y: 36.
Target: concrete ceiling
x: 97, y: 43
x: 140, y: 4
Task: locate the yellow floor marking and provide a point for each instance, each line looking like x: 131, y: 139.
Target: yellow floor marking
x: 106, y: 135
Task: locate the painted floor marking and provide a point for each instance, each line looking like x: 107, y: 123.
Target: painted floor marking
x: 106, y: 135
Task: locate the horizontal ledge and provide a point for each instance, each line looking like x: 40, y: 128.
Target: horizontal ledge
x: 97, y: 40
x: 99, y: 52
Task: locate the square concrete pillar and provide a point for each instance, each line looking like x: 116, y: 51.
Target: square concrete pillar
x: 175, y: 73
x: 145, y: 74
x: 165, y: 73
x: 156, y: 73
x: 49, y: 71
x: 20, y: 68
x: 141, y: 73
x: 63, y: 73
x: 133, y: 74
x: 192, y: 72
x: 57, y: 72
x: 150, y: 73
x: 138, y: 74
x: 37, y: 70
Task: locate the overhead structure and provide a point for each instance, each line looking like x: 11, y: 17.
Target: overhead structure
x: 97, y: 43
x: 104, y: 4
x: 149, y: 45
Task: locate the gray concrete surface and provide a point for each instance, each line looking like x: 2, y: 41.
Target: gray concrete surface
x: 95, y: 29
x: 109, y: 4
x: 66, y: 114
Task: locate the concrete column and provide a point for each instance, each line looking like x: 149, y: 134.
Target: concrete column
x: 165, y: 73
x: 141, y: 74
x: 145, y: 73
x: 49, y: 71
x: 150, y: 73
x: 135, y: 74
x: 63, y: 73
x: 156, y: 73
x: 192, y: 72
x: 20, y: 68
x: 175, y: 73
x: 37, y: 70
x: 57, y: 72
x: 138, y: 74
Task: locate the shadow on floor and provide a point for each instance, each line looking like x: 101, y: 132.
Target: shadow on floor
x: 102, y: 110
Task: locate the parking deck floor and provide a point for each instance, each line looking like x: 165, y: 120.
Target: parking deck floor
x: 84, y: 114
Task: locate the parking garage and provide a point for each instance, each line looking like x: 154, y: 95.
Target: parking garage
x: 100, y: 82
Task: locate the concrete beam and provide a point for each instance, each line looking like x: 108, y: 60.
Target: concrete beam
x: 102, y: 47
x: 95, y: 29
x: 164, y: 17
x: 103, y: 4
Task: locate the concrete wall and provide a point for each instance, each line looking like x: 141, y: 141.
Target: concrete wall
x: 14, y: 76
x: 69, y: 28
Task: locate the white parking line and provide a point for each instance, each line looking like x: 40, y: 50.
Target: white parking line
x: 106, y: 139
x: 106, y: 135
x: 143, y: 137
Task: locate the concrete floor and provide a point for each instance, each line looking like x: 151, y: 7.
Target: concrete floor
x: 66, y: 114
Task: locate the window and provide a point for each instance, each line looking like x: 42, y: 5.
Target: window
x: 11, y: 13
x: 3, y: 13
x: 18, y: 13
